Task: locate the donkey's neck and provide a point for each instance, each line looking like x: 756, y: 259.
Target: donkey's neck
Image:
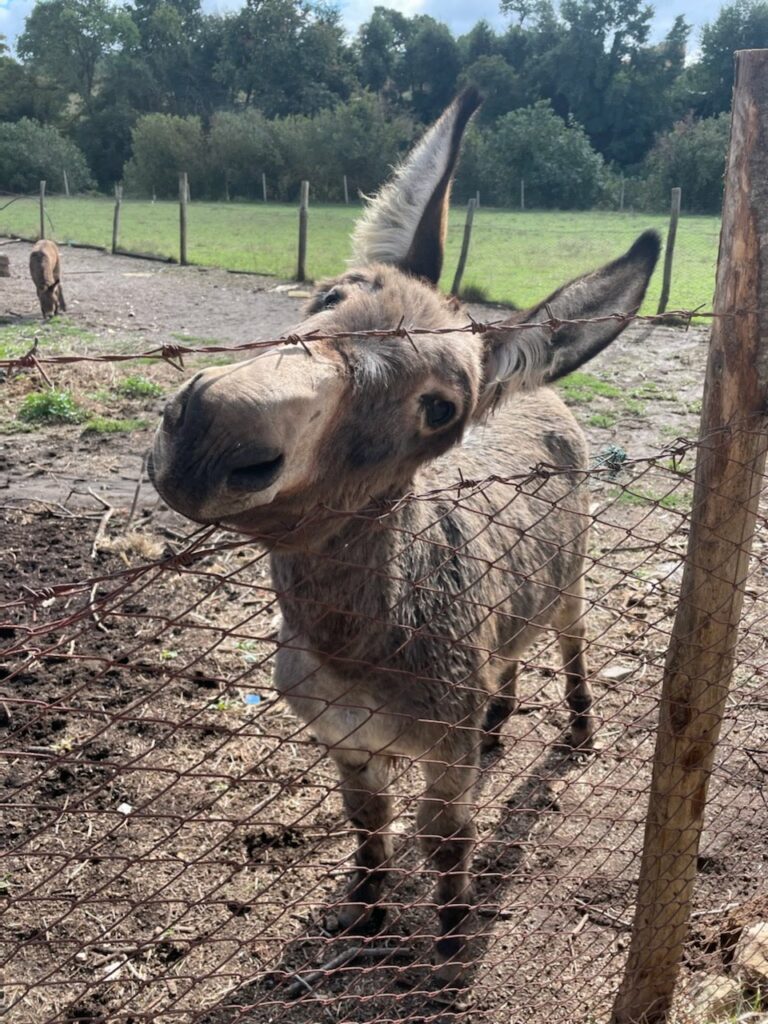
x: 349, y: 594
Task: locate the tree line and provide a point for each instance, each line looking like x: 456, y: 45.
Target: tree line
x: 580, y: 103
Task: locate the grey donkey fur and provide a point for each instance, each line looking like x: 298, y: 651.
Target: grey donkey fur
x: 45, y: 268
x: 404, y: 619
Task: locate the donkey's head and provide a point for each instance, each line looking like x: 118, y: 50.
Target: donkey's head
x: 261, y: 444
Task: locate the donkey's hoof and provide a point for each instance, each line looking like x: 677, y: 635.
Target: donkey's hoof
x: 356, y: 919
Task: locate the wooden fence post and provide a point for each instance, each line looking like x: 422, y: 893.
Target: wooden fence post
x: 42, y: 209
x: 183, y: 193
x: 522, y: 193
x: 464, y: 247
x: 729, y: 478
x: 264, y: 186
x: 669, y: 252
x: 116, y: 217
x: 301, y: 271
x: 477, y: 200
x: 226, y: 186
x: 66, y: 182
x: 346, y: 191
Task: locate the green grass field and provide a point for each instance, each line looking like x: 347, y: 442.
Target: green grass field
x: 514, y: 257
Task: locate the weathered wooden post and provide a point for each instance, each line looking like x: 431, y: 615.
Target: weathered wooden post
x: 264, y: 186
x: 522, y: 193
x: 669, y: 253
x: 729, y: 477
x: 301, y: 271
x: 183, y: 193
x: 226, y: 186
x: 66, y: 182
x: 346, y: 191
x: 42, y: 209
x: 464, y: 247
x: 477, y: 200
x: 116, y: 217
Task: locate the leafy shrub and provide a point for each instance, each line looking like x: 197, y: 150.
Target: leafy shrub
x: 52, y: 406
x: 31, y: 153
x: 560, y: 168
x: 692, y: 157
x: 163, y: 145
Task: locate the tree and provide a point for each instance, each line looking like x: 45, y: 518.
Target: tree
x: 381, y: 45
x: 30, y: 152
x: 498, y: 83
x: 690, y: 156
x: 68, y: 39
x: 742, y: 25
x: 430, y: 67
x: 284, y: 56
x: 555, y: 159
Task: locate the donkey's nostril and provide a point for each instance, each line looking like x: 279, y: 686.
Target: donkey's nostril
x: 257, y: 476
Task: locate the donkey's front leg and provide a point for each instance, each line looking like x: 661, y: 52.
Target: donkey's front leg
x: 447, y: 835
x: 364, y: 781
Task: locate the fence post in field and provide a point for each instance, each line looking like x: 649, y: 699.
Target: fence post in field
x: 264, y: 186
x: 464, y: 247
x: 346, y: 191
x: 728, y: 481
x: 116, y: 217
x: 522, y: 193
x: 42, y: 209
x: 66, y: 182
x: 183, y: 194
x: 226, y: 186
x: 669, y: 252
x: 301, y: 270
x: 477, y: 200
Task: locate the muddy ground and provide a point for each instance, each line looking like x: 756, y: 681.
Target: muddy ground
x: 173, y: 843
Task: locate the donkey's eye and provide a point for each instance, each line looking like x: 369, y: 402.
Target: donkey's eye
x: 332, y: 298
x: 437, y: 411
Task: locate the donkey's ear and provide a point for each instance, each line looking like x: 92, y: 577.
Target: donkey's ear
x: 527, y: 358
x: 405, y: 223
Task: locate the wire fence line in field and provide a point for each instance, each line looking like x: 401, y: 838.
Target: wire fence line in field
x: 176, y: 848
x: 263, y: 238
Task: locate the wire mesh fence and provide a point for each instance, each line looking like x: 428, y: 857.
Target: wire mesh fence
x: 177, y: 847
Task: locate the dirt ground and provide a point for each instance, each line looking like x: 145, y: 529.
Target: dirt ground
x: 173, y: 843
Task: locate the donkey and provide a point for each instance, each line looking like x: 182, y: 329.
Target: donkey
x: 45, y: 268
x: 404, y: 619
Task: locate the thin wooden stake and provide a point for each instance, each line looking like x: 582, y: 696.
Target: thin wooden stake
x: 66, y: 182
x: 264, y: 186
x: 669, y: 253
x: 477, y: 200
x: 522, y: 193
x: 116, y: 217
x: 301, y: 271
x: 464, y: 247
x: 183, y: 194
x: 42, y: 209
x: 346, y: 191
x: 226, y: 186
x: 729, y: 478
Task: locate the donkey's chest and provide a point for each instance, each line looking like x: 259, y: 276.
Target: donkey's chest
x: 367, y: 710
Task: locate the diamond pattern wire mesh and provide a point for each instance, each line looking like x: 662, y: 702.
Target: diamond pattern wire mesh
x: 175, y: 845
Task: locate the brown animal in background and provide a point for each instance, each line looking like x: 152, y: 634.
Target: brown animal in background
x: 404, y: 620
x: 45, y: 268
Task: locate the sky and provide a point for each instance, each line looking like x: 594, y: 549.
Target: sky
x: 460, y: 15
